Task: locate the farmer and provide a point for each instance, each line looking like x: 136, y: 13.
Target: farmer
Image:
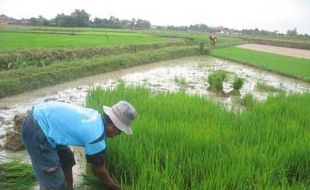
x: 213, y: 39
x: 51, y: 127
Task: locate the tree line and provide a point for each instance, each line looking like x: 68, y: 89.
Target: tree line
x: 80, y: 18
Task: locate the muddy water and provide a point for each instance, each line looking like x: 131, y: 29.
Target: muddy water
x: 188, y: 74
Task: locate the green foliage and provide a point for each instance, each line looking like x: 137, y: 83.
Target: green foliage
x: 188, y: 142
x: 285, y: 65
x: 15, y: 175
x: 262, y: 86
x: 238, y: 82
x: 216, y: 80
x: 77, y: 18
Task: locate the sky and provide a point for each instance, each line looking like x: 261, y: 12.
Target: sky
x: 271, y: 15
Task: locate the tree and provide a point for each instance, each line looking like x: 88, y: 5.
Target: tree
x: 292, y: 32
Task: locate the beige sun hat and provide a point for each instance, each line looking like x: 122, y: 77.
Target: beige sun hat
x: 122, y: 115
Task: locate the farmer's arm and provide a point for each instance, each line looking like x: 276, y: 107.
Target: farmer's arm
x: 98, y: 161
x: 103, y: 174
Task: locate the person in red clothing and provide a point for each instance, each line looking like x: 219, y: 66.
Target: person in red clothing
x: 213, y: 39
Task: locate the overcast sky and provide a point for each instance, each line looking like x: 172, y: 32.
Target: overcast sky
x: 270, y: 15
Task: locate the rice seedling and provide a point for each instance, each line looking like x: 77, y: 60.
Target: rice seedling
x: 180, y: 81
x: 285, y: 65
x: 188, y: 142
x: 15, y: 175
x: 263, y: 87
x: 216, y: 81
x: 248, y: 101
x: 238, y: 83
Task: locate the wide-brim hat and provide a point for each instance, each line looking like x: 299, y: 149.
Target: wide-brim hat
x: 122, y: 115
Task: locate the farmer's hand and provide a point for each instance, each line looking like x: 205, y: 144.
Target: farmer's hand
x: 116, y: 187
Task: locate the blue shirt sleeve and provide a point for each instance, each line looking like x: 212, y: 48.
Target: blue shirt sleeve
x: 94, y: 148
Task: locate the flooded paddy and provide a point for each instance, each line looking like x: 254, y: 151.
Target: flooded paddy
x: 188, y: 74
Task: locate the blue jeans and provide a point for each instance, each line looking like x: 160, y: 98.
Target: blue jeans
x: 44, y: 156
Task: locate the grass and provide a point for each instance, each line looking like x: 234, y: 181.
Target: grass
x: 15, y: 175
x: 285, y: 65
x: 44, y: 57
x: 21, y: 80
x: 263, y: 87
x: 188, y: 142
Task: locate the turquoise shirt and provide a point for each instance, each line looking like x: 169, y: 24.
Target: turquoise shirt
x: 66, y: 124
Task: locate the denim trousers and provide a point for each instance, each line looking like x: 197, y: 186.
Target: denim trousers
x: 44, y: 157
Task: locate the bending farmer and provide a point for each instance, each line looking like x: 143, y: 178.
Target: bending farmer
x: 51, y: 127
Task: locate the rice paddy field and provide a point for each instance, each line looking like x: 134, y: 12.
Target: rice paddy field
x: 188, y: 142
x: 17, y: 38
x: 289, y: 66
x: 203, y: 122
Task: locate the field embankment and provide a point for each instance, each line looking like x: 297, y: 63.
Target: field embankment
x: 199, y: 37
x: 188, y: 142
x: 279, y: 41
x: 285, y: 65
x: 292, y: 52
x: 43, y: 57
x: 29, y: 78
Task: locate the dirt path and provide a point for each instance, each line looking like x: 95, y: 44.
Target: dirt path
x: 300, y: 53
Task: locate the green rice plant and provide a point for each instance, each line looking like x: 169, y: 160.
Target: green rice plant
x: 248, y: 101
x: 288, y: 66
x: 13, y: 40
x: 15, y: 175
x: 180, y: 81
x: 238, y: 82
x: 263, y: 87
x: 216, y: 80
x: 189, y: 142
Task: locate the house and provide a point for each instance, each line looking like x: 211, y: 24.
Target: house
x: 5, y: 20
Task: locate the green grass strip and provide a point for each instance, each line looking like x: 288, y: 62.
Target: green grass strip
x: 15, y: 175
x: 189, y: 142
x: 21, y: 80
x: 43, y: 57
x: 11, y: 41
x: 285, y: 65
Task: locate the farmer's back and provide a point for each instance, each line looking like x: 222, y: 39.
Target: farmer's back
x: 65, y: 124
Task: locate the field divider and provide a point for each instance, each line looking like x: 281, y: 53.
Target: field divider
x: 21, y: 80
x: 43, y: 57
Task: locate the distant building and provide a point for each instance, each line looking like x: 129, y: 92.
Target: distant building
x: 24, y: 21
x: 5, y: 20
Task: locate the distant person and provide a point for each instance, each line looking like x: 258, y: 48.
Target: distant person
x: 51, y: 127
x: 213, y: 39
